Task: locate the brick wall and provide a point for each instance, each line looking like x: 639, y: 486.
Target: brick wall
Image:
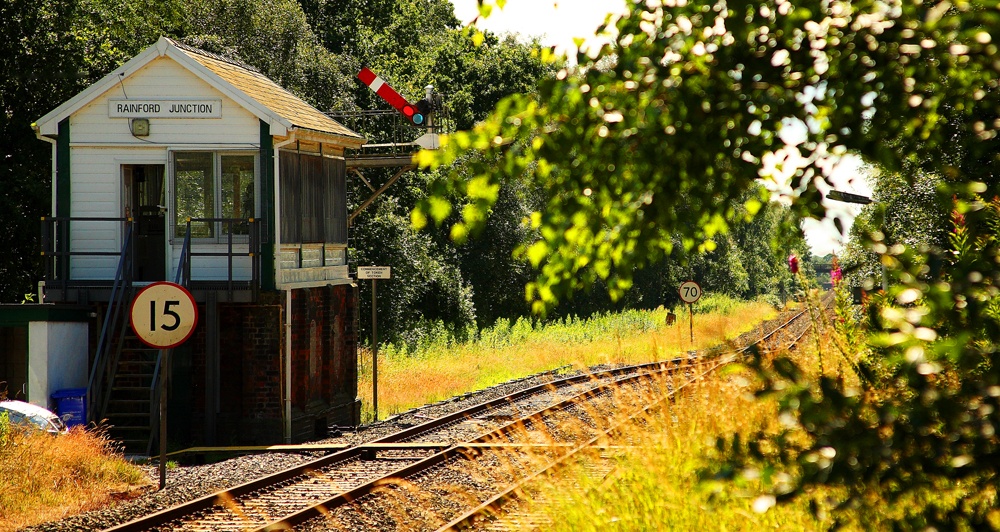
x: 251, y: 368
x: 324, y: 358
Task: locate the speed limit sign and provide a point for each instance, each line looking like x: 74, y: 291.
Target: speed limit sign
x: 690, y: 291
x: 163, y: 315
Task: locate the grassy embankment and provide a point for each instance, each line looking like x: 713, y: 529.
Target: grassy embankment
x: 441, y: 369
x: 655, y: 485
x: 45, y: 477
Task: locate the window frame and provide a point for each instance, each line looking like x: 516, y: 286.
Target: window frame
x: 218, y: 236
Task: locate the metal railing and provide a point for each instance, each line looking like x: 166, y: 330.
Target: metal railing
x: 56, y: 251
x: 58, y: 255
x: 241, y: 237
x: 105, y: 359
x: 251, y: 226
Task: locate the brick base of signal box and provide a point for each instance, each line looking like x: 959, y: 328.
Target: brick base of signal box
x: 235, y: 394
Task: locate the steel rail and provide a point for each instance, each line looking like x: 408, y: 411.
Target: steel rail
x: 365, y: 450
x: 458, y: 451
x: 493, y: 506
x: 208, y: 501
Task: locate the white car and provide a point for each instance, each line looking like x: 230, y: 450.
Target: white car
x: 21, y: 413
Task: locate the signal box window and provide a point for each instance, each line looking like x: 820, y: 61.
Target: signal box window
x: 214, y: 185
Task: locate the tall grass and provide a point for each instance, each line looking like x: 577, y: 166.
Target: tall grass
x: 45, y: 477
x: 656, y: 482
x: 410, y: 376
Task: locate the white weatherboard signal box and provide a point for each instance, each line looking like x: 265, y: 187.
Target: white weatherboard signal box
x: 374, y: 272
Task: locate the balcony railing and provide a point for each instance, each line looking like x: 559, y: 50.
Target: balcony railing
x: 239, y: 237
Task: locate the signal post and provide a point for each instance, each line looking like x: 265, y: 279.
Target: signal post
x: 374, y: 273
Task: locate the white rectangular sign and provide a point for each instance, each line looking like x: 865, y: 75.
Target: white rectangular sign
x: 374, y: 272
x: 165, y: 108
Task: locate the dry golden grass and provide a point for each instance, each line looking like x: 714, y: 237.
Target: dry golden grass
x: 45, y: 477
x: 406, y: 381
x: 655, y: 484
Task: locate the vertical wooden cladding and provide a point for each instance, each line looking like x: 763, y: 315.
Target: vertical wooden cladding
x: 313, y: 199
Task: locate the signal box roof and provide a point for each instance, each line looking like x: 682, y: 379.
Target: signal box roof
x: 281, y: 109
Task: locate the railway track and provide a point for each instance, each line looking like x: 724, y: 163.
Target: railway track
x: 508, y: 509
x: 496, y: 443
x: 266, y: 499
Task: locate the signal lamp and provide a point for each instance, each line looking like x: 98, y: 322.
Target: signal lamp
x: 412, y: 113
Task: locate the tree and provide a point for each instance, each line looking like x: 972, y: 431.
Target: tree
x: 692, y: 103
x: 273, y: 36
x: 412, y: 44
x: 910, y: 211
x: 49, y: 51
x: 697, y: 101
x: 427, y: 286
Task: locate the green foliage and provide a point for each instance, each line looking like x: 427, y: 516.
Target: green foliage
x: 275, y: 37
x: 630, y: 152
x: 911, y: 211
x: 427, y: 290
x: 924, y: 422
x: 439, y: 338
x: 716, y: 304
x: 503, y: 334
x: 656, y: 139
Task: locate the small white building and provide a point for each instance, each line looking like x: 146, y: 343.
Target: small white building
x: 183, y: 165
x: 177, y: 133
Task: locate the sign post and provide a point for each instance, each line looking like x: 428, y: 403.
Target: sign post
x: 374, y: 273
x: 163, y: 316
x: 690, y: 293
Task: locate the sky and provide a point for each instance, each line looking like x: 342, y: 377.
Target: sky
x: 557, y: 23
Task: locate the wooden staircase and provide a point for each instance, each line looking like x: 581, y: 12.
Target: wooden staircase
x: 129, y: 411
x: 123, y: 392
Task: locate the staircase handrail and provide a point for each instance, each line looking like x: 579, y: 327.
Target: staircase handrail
x: 183, y: 275
x: 114, y: 313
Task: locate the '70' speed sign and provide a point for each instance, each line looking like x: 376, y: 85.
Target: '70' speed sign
x: 163, y: 315
x: 690, y: 291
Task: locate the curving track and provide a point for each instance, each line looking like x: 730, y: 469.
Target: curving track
x: 506, y: 510
x: 407, y: 478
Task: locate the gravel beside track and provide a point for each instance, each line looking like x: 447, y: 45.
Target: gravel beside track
x: 186, y: 483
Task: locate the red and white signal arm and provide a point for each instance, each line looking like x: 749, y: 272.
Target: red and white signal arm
x: 163, y: 315
x: 690, y: 292
x: 393, y: 98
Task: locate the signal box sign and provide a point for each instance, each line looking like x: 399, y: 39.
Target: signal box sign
x: 374, y: 272
x: 163, y: 315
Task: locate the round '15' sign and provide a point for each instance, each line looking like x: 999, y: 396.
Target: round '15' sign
x: 163, y: 315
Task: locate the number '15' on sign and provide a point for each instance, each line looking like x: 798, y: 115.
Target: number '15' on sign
x: 167, y: 306
x: 163, y: 315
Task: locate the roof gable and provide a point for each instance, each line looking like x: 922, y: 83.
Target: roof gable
x: 253, y: 91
